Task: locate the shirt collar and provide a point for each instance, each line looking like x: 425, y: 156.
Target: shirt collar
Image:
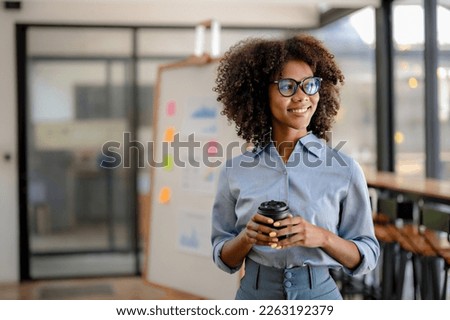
x: 313, y: 144
x: 310, y: 142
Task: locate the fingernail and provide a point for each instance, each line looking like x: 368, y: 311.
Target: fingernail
x: 269, y: 221
x: 276, y: 224
x: 272, y: 234
x: 273, y: 245
x: 279, y: 247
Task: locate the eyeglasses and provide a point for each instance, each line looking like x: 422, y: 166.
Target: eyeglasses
x: 288, y: 87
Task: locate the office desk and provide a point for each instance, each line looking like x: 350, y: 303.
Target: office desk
x: 432, y: 190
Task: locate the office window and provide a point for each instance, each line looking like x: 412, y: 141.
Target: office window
x: 443, y: 72
x: 409, y: 136
x: 352, y: 40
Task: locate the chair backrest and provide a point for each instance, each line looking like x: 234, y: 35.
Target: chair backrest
x: 405, y: 210
x: 395, y: 209
x: 388, y: 207
x: 435, y: 218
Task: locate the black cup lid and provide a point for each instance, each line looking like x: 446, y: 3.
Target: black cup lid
x: 273, y: 206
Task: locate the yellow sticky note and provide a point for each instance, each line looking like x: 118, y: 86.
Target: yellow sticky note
x: 165, y: 195
x: 169, y: 134
x: 168, y: 162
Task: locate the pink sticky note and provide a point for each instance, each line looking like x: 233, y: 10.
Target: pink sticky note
x: 212, y: 147
x: 171, y: 108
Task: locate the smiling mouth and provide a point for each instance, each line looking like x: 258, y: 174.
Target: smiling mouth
x: 299, y: 110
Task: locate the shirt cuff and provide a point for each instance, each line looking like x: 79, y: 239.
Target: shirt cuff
x: 364, y: 265
x: 219, y: 262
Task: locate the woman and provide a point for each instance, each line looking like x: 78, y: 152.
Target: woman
x: 283, y: 97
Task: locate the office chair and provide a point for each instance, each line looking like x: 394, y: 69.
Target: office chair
x: 436, y: 223
x: 396, y: 248
x: 424, y: 260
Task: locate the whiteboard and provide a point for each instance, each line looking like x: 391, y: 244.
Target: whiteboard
x: 188, y: 129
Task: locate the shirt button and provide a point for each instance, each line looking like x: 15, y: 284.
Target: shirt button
x: 285, y: 172
x: 288, y: 284
x: 288, y: 275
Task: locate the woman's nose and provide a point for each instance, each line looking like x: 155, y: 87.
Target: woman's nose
x: 300, y: 96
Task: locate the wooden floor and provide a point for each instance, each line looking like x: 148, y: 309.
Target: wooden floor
x: 122, y: 288
x: 119, y: 288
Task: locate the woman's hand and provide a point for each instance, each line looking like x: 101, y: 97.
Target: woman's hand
x: 300, y: 233
x: 304, y: 234
x: 258, y: 231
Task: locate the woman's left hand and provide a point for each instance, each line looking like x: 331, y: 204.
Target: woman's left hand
x: 304, y: 234
x: 300, y: 233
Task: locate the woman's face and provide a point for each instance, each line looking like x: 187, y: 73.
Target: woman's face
x: 292, y: 115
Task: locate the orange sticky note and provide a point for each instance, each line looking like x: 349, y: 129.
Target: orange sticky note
x: 169, y: 134
x: 164, y: 195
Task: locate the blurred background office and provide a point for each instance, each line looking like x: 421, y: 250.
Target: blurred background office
x: 74, y: 74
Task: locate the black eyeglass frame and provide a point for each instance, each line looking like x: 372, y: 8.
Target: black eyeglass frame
x: 298, y: 84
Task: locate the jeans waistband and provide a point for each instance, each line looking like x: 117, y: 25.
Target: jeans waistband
x: 307, y: 277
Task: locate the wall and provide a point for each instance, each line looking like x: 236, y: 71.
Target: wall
x: 9, y: 213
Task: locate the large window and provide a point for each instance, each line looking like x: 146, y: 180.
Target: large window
x: 408, y: 27
x: 351, y: 39
x: 444, y: 86
x: 408, y: 32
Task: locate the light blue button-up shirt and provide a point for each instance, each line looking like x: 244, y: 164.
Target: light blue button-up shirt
x: 319, y: 183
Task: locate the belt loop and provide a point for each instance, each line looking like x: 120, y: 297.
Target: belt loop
x: 311, y: 277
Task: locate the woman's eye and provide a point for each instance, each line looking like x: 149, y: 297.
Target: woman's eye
x: 287, y: 86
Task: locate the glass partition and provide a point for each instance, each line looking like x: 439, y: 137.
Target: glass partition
x: 80, y: 212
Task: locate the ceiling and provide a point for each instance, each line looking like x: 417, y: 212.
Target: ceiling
x: 232, y: 13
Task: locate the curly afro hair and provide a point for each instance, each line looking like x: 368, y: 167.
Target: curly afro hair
x: 247, y: 69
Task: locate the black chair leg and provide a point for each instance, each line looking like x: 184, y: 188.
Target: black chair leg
x: 444, y: 288
x: 430, y: 279
x: 435, y: 271
x: 388, y: 271
x: 416, y: 275
x: 401, y: 273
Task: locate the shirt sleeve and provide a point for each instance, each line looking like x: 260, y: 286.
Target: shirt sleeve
x: 223, y: 220
x: 356, y: 222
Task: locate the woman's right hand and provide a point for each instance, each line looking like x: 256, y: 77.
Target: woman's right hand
x: 258, y: 231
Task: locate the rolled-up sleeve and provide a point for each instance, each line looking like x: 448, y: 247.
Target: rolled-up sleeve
x: 356, y: 222
x: 223, y: 220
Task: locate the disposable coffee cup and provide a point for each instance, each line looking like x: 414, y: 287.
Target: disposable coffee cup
x: 277, y: 210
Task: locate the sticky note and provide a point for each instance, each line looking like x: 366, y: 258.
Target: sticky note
x: 164, y: 195
x: 171, y: 108
x: 169, y: 134
x: 168, y: 162
x: 212, y: 147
